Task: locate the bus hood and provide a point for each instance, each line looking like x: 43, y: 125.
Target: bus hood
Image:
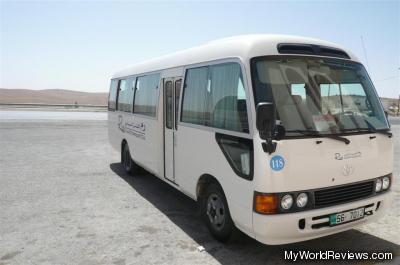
x: 302, y: 164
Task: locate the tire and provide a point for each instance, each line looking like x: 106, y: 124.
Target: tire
x: 126, y: 160
x: 215, y: 213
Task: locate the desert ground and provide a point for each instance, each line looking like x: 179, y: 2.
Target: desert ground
x: 65, y: 199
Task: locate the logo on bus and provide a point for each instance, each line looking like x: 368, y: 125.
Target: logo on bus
x: 277, y: 163
x: 137, y: 129
x: 339, y: 156
x: 347, y: 170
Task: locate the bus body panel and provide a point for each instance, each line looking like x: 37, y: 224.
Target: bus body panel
x: 198, y: 154
x: 145, y: 143
x: 114, y: 135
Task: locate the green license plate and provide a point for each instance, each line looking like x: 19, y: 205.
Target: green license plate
x: 345, y: 217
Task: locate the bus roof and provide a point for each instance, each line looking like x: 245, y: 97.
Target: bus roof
x: 244, y: 47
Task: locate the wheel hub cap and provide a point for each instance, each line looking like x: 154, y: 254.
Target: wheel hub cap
x: 216, y: 211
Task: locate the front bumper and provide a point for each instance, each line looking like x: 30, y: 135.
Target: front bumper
x: 284, y: 228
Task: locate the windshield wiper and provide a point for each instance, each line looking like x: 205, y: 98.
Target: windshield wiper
x: 384, y: 132
x: 373, y: 129
x: 369, y: 130
x: 317, y: 134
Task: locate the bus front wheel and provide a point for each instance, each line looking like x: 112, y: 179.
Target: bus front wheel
x: 215, y: 213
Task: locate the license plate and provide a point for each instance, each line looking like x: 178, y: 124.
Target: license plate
x: 345, y: 217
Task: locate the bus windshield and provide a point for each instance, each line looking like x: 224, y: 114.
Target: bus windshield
x: 325, y: 96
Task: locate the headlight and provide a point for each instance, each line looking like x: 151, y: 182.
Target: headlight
x: 287, y: 201
x: 302, y: 200
x: 378, y: 185
x: 385, y: 183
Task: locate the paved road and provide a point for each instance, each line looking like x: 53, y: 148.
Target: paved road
x: 64, y: 199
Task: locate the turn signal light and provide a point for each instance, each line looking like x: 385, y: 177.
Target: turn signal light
x: 266, y: 203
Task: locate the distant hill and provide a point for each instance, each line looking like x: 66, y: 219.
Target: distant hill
x: 52, y: 96
x: 61, y: 96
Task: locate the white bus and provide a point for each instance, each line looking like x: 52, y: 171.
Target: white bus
x: 281, y: 137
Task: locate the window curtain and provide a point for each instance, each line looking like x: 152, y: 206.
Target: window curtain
x: 112, y: 96
x: 125, y: 98
x: 194, y: 102
x: 146, y: 95
x: 223, y: 103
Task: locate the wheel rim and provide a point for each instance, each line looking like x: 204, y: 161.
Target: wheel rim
x: 216, y: 211
x: 127, y: 160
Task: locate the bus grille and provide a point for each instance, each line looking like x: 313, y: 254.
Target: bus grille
x: 343, y: 194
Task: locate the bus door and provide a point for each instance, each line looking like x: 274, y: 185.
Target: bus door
x: 172, y: 88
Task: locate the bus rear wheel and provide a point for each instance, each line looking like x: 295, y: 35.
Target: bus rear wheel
x: 126, y: 160
x: 215, y: 213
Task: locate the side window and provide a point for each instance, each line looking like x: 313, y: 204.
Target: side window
x: 168, y: 104
x: 195, y: 96
x: 125, y: 94
x: 112, y: 95
x: 121, y: 87
x: 299, y: 90
x: 338, y: 98
x: 239, y: 153
x: 227, y: 98
x: 355, y: 99
x: 146, y: 95
x: 330, y: 99
x: 178, y: 85
x: 215, y: 96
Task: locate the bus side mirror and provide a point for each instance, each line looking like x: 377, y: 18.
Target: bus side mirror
x: 266, y: 119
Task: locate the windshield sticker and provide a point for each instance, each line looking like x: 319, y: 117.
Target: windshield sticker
x: 277, y: 163
x: 324, y: 122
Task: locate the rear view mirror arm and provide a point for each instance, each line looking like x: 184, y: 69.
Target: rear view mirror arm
x: 269, y: 146
x: 265, y: 122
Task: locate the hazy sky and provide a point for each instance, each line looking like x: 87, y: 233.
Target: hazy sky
x: 79, y: 44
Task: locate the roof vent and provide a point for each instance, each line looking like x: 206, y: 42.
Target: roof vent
x: 310, y: 49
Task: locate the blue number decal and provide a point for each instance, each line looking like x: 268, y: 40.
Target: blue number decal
x: 277, y: 163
